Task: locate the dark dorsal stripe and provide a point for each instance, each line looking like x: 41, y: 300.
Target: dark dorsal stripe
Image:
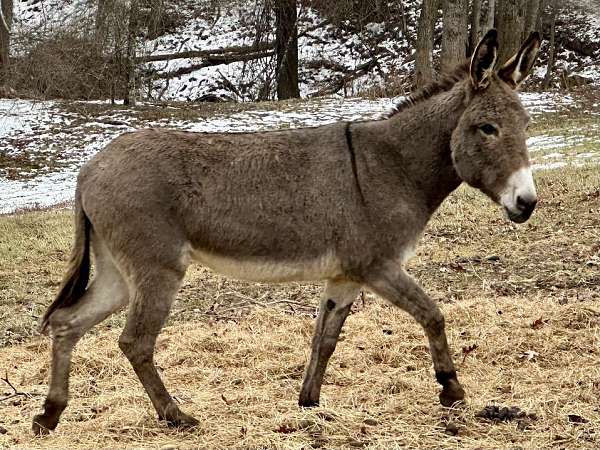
x: 353, y: 160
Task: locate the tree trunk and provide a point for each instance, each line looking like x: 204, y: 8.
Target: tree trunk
x: 532, y: 11
x: 552, y: 43
x: 286, y: 48
x: 491, y: 13
x: 475, y: 31
x: 101, y: 27
x: 424, y: 45
x: 5, y: 29
x: 454, y: 38
x: 132, y: 31
x: 510, y: 23
x: 155, y: 22
x: 539, y: 25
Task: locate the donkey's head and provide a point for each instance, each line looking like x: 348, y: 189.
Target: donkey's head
x: 489, y: 147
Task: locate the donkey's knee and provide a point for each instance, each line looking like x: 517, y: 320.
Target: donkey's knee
x: 65, y: 326
x: 128, y: 346
x: 435, y: 323
x: 137, y: 350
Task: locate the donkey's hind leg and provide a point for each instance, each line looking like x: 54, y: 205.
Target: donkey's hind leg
x: 153, y: 295
x: 335, y: 306
x: 401, y: 290
x: 107, y: 293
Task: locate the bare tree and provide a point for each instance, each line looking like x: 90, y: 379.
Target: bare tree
x: 491, y: 10
x: 532, y: 12
x: 474, y: 31
x: 539, y: 25
x: 155, y: 21
x: 454, y: 38
x: 132, y: 32
x: 424, y: 45
x: 286, y: 48
x: 554, y: 7
x: 6, y: 19
x: 510, y: 23
x: 101, y: 26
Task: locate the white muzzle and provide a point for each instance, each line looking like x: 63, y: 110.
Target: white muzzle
x: 519, y: 196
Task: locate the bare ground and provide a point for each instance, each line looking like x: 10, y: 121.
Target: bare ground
x: 523, y: 318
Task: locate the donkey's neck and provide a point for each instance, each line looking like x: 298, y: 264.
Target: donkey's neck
x: 410, y: 151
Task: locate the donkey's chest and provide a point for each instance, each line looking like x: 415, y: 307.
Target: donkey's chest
x: 267, y: 270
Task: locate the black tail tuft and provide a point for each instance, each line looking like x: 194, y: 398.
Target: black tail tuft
x: 78, y: 273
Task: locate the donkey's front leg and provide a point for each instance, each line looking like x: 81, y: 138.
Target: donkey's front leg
x: 400, y: 289
x: 335, y: 306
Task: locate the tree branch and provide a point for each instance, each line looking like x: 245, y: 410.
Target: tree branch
x: 3, y: 20
x: 338, y: 84
x: 230, y: 52
x: 16, y: 392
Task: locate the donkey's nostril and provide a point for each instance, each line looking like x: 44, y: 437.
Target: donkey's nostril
x: 526, y: 205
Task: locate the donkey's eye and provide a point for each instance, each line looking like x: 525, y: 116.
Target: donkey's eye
x: 489, y: 129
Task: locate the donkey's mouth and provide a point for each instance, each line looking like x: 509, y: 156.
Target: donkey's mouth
x: 520, y: 216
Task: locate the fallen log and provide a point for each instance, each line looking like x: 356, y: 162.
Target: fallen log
x: 214, y: 60
x: 233, y: 50
x: 207, y: 54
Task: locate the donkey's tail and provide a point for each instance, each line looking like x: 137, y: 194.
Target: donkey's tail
x: 76, y: 279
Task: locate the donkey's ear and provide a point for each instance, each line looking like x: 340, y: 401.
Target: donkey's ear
x: 517, y: 68
x: 483, y: 60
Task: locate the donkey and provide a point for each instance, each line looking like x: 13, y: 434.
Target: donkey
x: 343, y: 203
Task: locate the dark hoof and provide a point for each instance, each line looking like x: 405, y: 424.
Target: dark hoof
x: 452, y: 393
x: 41, y: 425
x: 309, y: 398
x: 310, y: 392
x: 182, y: 421
x: 307, y: 403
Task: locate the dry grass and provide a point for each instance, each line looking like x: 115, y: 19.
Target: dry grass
x: 242, y: 380
x: 532, y: 310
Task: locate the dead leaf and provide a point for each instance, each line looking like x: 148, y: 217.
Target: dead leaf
x: 468, y: 350
x: 538, y: 323
x: 457, y: 267
x: 285, y: 429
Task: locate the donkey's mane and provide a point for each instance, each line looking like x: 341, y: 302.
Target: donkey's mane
x: 442, y: 84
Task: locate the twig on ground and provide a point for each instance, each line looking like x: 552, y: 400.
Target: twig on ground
x: 16, y: 392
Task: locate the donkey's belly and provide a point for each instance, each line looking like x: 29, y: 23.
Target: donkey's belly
x: 269, y: 271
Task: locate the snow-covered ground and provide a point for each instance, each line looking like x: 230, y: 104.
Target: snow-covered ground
x: 43, y: 144
x: 326, y: 51
x: 322, y: 51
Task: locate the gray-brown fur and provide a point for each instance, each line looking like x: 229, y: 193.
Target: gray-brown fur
x: 340, y: 203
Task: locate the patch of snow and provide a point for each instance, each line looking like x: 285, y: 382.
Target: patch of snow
x: 21, y: 115
x: 543, y: 102
x: 545, y: 142
x: 548, y: 166
x: 553, y: 156
x: 46, y: 190
x: 587, y: 155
